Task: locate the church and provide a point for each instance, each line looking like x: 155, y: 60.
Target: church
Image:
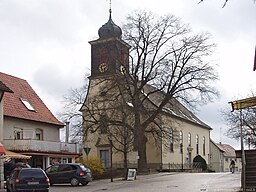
x: 108, y: 118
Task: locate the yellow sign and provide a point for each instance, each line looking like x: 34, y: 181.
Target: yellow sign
x: 243, y: 103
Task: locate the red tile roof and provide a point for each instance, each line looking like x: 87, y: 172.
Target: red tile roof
x: 13, y: 107
x: 229, y: 151
x: 4, y: 88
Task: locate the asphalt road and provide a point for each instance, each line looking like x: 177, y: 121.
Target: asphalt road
x: 163, y: 182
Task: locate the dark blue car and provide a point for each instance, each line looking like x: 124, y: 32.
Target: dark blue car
x: 73, y: 173
x: 27, y: 179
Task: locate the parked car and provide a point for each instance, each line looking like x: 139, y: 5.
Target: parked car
x: 73, y: 173
x: 27, y: 179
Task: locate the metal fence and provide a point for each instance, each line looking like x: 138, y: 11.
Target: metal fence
x: 164, y: 167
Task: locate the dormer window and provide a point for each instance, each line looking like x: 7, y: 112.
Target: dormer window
x: 27, y: 104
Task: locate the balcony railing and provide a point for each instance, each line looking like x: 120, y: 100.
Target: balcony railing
x: 40, y: 146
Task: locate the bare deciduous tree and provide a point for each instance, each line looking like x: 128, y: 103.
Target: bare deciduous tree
x: 224, y: 4
x: 233, y: 120
x: 168, y: 62
x: 72, y: 104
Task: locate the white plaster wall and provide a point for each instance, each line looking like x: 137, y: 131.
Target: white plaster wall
x: 50, y: 132
x: 186, y: 128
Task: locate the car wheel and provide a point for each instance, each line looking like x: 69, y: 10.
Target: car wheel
x: 85, y: 183
x: 74, y: 181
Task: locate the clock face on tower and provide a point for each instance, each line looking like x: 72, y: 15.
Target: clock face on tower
x: 122, y: 69
x: 103, y: 67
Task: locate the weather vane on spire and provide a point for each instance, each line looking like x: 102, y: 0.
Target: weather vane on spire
x: 110, y: 9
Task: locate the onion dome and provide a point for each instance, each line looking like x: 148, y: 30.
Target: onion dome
x: 110, y: 29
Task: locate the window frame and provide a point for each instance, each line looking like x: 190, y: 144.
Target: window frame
x: 204, y: 146
x: 171, y: 141
x: 197, y: 145
x: 18, y: 134
x: 189, y: 139
x: 181, y: 141
x: 27, y: 104
x: 40, y: 133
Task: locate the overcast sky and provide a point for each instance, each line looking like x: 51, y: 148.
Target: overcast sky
x: 46, y: 43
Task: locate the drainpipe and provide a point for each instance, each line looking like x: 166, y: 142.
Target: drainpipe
x: 67, y: 131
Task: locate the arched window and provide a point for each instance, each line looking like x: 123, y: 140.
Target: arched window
x: 197, y: 144
x: 39, y: 134
x: 181, y: 141
x: 171, y: 140
x: 203, y: 145
x: 189, y: 139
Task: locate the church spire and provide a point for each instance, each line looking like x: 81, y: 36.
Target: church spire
x: 110, y: 29
x: 110, y: 8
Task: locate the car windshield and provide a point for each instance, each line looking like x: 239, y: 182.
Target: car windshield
x: 31, y: 173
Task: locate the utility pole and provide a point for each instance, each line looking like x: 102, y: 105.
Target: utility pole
x: 243, y: 154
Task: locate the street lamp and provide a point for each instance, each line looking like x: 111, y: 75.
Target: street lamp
x: 111, y: 158
x: 181, y: 150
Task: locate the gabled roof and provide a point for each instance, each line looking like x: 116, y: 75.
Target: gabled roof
x: 229, y: 151
x: 215, y: 144
x: 4, y: 88
x: 14, y: 107
x: 173, y: 107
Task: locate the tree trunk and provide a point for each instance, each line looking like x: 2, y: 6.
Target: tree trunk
x: 125, y: 161
x: 142, y: 154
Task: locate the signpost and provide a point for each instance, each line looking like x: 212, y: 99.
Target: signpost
x: 131, y: 175
x: 87, y: 151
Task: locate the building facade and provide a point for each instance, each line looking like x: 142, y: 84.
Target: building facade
x: 221, y: 157
x: 189, y: 136
x: 30, y: 128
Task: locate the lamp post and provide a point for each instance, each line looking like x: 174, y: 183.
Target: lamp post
x: 181, y: 150
x: 111, y: 158
x: 242, y: 151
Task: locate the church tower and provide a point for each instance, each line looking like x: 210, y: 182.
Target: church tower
x: 109, y: 64
x: 109, y: 53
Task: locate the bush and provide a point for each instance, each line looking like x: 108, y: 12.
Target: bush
x: 95, y: 165
x: 200, y: 162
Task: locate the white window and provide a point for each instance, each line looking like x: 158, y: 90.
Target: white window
x: 203, y: 145
x: 171, y: 140
x: 27, y: 104
x: 39, y: 134
x: 18, y: 133
x: 189, y: 139
x: 181, y: 142
x: 197, y: 145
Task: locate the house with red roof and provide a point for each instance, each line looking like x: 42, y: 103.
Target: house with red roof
x: 221, y: 157
x: 30, y: 128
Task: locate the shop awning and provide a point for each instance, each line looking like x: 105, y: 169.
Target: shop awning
x: 13, y: 155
